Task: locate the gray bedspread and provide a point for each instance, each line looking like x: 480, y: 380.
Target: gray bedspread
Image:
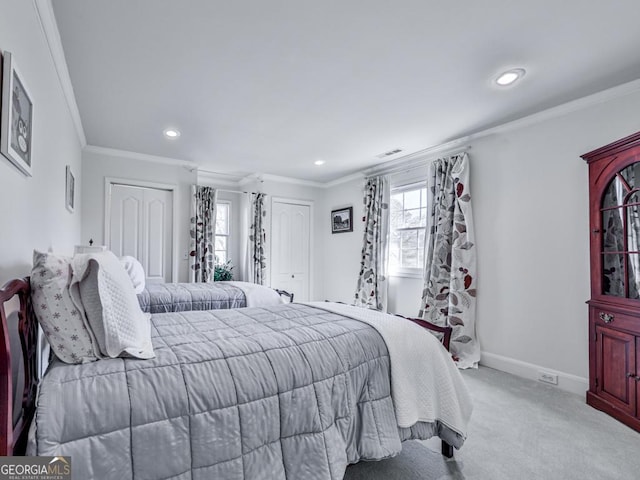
x: 182, y: 297
x: 283, y: 392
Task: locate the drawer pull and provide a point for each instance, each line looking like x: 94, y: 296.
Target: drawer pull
x: 606, y: 317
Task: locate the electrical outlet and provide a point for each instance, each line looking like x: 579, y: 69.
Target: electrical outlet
x: 547, y: 377
x: 185, y: 256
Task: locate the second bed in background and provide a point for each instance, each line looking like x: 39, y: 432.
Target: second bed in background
x: 181, y: 297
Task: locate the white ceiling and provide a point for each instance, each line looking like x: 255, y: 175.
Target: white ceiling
x: 261, y: 86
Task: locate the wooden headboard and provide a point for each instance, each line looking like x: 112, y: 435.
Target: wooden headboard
x: 13, y: 432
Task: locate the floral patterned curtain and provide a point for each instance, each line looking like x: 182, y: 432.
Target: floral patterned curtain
x: 449, y: 295
x: 257, y: 260
x: 371, y: 291
x: 202, y: 234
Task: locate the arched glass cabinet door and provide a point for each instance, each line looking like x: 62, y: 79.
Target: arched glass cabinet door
x: 620, y: 212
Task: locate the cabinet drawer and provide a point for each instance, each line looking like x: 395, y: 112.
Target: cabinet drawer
x: 621, y: 321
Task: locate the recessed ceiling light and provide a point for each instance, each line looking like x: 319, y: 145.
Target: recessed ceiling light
x: 171, y: 133
x: 319, y: 162
x: 510, y: 76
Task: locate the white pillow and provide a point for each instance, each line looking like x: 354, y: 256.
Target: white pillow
x: 135, y: 270
x: 63, y: 324
x: 104, y: 289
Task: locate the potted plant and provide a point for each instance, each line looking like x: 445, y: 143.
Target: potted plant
x: 223, y: 272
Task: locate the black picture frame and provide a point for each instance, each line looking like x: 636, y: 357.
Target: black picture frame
x: 17, y: 117
x: 70, y: 189
x: 342, y: 220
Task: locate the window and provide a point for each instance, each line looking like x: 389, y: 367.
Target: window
x: 408, y: 221
x: 222, y: 232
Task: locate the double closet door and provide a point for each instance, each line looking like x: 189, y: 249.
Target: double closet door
x: 140, y: 224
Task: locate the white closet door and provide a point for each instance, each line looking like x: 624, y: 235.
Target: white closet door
x: 141, y: 225
x: 290, y: 249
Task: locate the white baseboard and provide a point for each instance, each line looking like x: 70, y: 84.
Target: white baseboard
x: 566, y: 381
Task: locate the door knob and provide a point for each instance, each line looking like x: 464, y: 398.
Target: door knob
x: 293, y: 276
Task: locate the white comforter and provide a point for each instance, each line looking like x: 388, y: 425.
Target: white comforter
x: 421, y: 370
x: 258, y: 295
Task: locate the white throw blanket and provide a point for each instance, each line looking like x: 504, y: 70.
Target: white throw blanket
x: 425, y: 383
x: 258, y: 295
x: 103, y: 292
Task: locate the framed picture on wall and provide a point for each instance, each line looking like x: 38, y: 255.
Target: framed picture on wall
x: 342, y: 220
x: 17, y: 117
x: 70, y: 190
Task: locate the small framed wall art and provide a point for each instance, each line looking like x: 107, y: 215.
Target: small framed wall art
x: 70, y: 190
x: 17, y: 117
x: 342, y: 220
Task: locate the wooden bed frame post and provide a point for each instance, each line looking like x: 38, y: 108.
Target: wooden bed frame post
x: 13, y: 439
x: 6, y: 389
x: 447, y: 450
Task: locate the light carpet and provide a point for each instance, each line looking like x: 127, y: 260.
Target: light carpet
x: 520, y: 430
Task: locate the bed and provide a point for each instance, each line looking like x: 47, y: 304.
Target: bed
x: 180, y: 297
x: 285, y: 391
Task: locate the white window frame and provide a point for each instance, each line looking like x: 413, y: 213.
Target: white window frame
x: 408, y: 272
x: 229, y: 229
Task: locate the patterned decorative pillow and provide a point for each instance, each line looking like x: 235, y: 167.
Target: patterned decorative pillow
x: 63, y: 324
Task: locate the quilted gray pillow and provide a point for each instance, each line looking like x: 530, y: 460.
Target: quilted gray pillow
x: 62, y: 323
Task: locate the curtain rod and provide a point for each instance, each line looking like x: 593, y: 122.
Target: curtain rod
x: 235, y: 191
x: 401, y: 166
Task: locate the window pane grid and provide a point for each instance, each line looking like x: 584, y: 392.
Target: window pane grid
x: 222, y: 219
x: 221, y: 247
x: 408, y: 223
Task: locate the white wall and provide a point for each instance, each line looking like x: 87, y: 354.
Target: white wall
x: 341, y: 250
x: 33, y: 208
x: 530, y: 199
x: 530, y: 193
x: 98, y: 166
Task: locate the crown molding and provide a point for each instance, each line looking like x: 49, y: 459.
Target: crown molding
x: 294, y: 181
x: 603, y: 96
x: 463, y: 143
x: 252, y: 177
x: 47, y: 20
x: 349, y: 178
x: 419, y: 158
x: 408, y: 161
x: 113, y: 152
x: 218, y: 178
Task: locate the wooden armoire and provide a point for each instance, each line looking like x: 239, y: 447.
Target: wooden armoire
x: 614, y: 308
